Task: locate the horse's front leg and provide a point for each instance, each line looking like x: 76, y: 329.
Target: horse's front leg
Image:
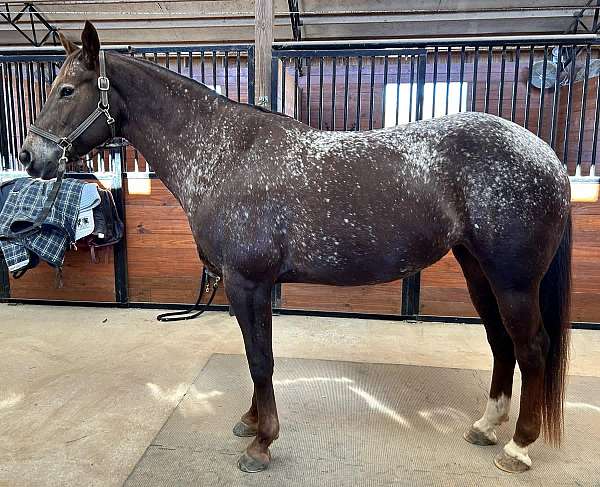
x: 251, y: 302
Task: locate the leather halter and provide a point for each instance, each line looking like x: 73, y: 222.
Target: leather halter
x: 66, y: 143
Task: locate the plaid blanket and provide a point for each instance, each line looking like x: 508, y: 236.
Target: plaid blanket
x: 24, y: 203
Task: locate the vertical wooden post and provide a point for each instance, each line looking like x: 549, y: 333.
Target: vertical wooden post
x: 263, y: 32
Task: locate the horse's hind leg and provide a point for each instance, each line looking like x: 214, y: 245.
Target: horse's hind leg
x: 251, y: 302
x: 520, y: 310
x: 496, y: 412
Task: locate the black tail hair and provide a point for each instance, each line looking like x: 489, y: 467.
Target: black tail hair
x: 555, y: 303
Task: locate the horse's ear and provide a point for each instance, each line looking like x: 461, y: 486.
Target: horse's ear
x: 90, y: 49
x: 69, y: 46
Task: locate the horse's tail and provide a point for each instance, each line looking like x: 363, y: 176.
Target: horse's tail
x: 555, y: 303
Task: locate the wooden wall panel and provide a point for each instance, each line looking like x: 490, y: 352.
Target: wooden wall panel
x: 444, y: 290
x: 383, y: 298
x: 163, y: 261
x: 83, y: 280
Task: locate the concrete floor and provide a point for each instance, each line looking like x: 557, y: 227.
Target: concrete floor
x: 83, y: 391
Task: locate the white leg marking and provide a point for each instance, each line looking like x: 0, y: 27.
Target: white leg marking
x: 496, y: 413
x: 518, y: 452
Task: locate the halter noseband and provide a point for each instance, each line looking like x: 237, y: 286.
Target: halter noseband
x: 103, y: 107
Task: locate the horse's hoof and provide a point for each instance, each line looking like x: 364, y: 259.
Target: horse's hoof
x: 479, y: 437
x: 244, y: 431
x: 249, y: 464
x: 510, y: 464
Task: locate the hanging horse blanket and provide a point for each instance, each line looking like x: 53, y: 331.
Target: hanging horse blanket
x: 24, y: 202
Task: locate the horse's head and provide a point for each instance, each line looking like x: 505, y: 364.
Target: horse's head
x: 73, y: 97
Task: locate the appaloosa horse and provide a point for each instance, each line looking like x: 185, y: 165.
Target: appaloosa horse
x: 271, y: 200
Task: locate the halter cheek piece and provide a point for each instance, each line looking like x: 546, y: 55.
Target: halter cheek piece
x: 66, y: 143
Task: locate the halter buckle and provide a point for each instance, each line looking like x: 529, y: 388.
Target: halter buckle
x: 103, y: 83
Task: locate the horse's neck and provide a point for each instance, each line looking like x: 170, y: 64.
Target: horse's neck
x: 174, y: 122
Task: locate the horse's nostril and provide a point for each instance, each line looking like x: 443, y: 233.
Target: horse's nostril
x: 25, y: 157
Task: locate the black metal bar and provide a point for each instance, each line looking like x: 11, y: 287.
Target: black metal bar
x: 178, y: 54
x: 582, y: 116
x: 333, y: 90
x: 448, y: 76
x: 435, y: 74
x: 31, y: 93
x: 308, y: 88
x: 251, y: 81
x: 569, y: 110
x: 32, y: 23
x: 346, y: 92
x: 372, y: 93
x: 295, y: 20
x: 488, y: 78
x: 359, y: 83
x: 542, y: 92
x: 41, y: 88
x: 4, y: 158
x: 475, y: 73
x: 555, y: 100
x: 296, y: 88
x: 384, y: 92
x: 430, y: 42
x: 398, y: 80
x: 21, y: 101
x: 13, y: 114
x: 528, y: 96
x: 320, y: 92
x: 501, y: 86
x: 120, y: 249
x: 226, y: 74
x: 420, y: 96
x: 238, y: 75
x: 513, y: 102
x: 214, y: 69
x: 411, y: 291
x: 461, y: 77
x: 410, y: 88
x: 274, y: 84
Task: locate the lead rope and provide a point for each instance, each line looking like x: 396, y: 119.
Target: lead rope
x: 195, y: 309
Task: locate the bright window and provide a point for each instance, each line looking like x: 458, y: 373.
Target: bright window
x: 457, y: 100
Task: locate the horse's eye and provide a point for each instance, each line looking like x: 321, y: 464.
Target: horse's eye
x: 66, y: 91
